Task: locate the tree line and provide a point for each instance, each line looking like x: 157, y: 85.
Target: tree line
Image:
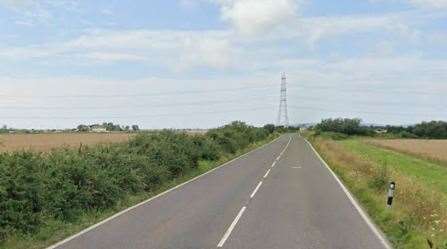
x: 432, y: 129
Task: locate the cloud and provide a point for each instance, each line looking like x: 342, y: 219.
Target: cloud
x: 438, y: 4
x: 176, y: 50
x: 376, y: 88
x: 426, y: 4
x: 179, y: 50
x: 252, y: 17
x: 31, y: 12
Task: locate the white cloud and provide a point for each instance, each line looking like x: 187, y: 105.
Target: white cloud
x: 31, y: 12
x: 438, y: 4
x: 109, y: 57
x: 176, y: 50
x: 256, y: 16
x: 215, y: 49
x: 317, y: 28
x: 426, y: 4
x: 392, y: 85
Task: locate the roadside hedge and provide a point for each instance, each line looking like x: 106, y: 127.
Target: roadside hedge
x: 66, y: 183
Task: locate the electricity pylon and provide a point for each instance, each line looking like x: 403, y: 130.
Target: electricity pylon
x: 283, y: 116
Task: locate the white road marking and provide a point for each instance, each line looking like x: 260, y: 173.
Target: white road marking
x: 256, y: 190
x: 232, y: 226
x: 153, y: 198
x: 282, y: 152
x: 296, y: 167
x: 285, y: 148
x: 266, y: 174
x: 362, y: 213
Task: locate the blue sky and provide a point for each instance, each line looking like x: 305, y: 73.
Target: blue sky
x: 201, y: 63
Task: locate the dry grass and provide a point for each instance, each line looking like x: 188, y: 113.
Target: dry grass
x: 418, y: 214
x: 430, y: 149
x: 46, y: 142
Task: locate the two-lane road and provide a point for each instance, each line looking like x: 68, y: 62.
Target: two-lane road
x: 278, y: 196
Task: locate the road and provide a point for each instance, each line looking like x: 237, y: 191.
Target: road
x: 278, y: 196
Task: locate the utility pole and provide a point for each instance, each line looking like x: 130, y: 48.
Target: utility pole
x: 283, y: 116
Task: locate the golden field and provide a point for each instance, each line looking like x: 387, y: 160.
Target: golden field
x: 46, y: 142
x: 430, y: 149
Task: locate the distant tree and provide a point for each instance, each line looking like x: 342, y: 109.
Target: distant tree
x: 111, y: 126
x: 135, y: 128
x: 343, y: 125
x: 433, y: 129
x: 83, y: 128
x: 270, y: 128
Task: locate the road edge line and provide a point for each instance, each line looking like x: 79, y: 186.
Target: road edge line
x: 88, y: 229
x: 354, y: 202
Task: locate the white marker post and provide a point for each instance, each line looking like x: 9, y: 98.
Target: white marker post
x: 391, y: 190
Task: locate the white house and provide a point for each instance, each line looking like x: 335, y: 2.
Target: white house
x: 99, y: 129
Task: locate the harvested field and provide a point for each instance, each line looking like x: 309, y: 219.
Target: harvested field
x: 46, y: 142
x: 430, y: 149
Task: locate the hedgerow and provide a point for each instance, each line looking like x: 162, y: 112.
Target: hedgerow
x: 66, y: 183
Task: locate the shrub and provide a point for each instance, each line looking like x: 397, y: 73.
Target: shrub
x: 66, y: 183
x: 346, y: 126
x: 406, y: 134
x: 432, y: 129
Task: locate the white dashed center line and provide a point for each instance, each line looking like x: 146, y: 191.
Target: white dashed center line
x: 230, y: 229
x: 266, y: 174
x: 256, y: 190
x: 241, y: 212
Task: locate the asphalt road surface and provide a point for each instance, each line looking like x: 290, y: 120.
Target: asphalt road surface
x: 280, y: 196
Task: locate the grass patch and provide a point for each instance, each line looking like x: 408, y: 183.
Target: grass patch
x: 419, y: 215
x: 424, y: 171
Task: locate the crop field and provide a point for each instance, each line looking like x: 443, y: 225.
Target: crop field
x: 46, y: 142
x: 430, y: 149
x: 419, y: 212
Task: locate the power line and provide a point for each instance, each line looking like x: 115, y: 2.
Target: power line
x: 139, y: 94
x: 187, y: 92
x: 358, y: 111
x: 148, y: 105
x: 137, y: 116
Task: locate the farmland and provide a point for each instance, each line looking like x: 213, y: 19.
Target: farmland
x: 46, y: 142
x: 419, y: 213
x: 430, y: 149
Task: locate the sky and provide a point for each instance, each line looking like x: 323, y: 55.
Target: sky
x: 204, y: 63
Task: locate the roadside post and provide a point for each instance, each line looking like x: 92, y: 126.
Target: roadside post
x: 391, y: 190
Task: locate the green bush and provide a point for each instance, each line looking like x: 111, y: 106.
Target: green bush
x: 406, y: 134
x: 343, y: 125
x: 66, y: 183
x: 432, y: 130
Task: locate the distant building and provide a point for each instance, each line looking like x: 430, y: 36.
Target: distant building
x: 381, y: 131
x: 98, y: 129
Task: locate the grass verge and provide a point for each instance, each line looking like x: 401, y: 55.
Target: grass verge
x: 418, y: 218
x: 55, y: 230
